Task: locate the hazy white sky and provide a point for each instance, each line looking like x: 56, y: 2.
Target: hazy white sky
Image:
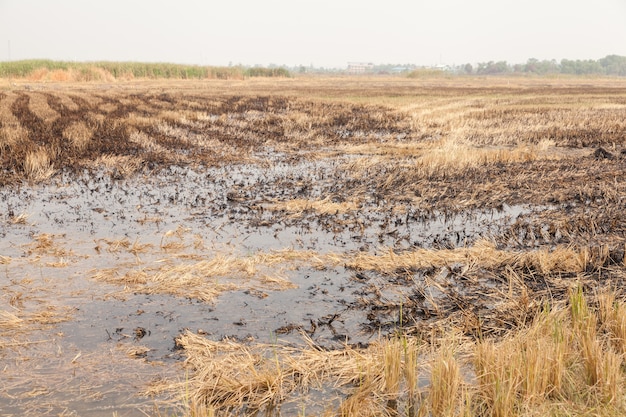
x: 326, y: 33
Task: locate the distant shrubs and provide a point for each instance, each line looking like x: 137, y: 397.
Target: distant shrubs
x: 612, y: 65
x: 108, y: 71
x: 267, y: 72
x: 425, y: 72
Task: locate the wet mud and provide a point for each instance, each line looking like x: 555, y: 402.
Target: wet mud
x: 332, y: 306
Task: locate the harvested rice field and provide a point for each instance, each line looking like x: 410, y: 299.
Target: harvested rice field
x: 313, y: 247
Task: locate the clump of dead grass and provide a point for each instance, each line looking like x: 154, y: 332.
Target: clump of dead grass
x: 19, y: 219
x: 124, y: 244
x: 447, y: 154
x: 9, y: 320
x: 38, y: 166
x: 119, y: 165
x: 206, y: 279
x: 12, y: 135
x: 440, y: 158
x: 325, y: 206
x: 50, y: 315
x: 562, y: 362
x: 135, y: 120
x: 613, y: 319
x: 21, y: 322
x: 446, y: 382
x: 174, y: 240
x: 38, y: 104
x: 48, y: 244
x: 79, y: 134
x: 247, y: 379
x: 483, y: 253
x: 145, y: 141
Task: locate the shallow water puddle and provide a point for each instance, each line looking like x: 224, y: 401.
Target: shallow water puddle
x: 118, y: 334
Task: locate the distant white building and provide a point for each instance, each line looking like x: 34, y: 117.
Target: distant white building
x: 359, y: 67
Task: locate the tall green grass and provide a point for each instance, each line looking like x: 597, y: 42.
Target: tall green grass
x: 87, y: 71
x: 21, y: 69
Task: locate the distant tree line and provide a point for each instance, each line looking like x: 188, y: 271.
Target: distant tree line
x: 609, y: 65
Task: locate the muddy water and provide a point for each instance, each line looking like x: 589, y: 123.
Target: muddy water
x: 82, y: 365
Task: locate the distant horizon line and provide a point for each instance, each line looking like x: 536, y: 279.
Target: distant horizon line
x: 311, y: 65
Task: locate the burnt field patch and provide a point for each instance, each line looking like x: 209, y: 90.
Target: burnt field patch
x: 144, y: 225
x: 171, y: 129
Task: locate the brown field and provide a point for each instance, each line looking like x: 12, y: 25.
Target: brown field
x: 313, y: 246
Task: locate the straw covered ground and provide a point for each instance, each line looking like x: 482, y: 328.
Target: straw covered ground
x: 438, y: 246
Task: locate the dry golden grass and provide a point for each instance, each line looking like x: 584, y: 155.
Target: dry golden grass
x: 560, y: 364
x: 37, y: 166
x: 12, y: 134
x: 50, y: 248
x: 39, y: 106
x: 559, y: 361
x: 601, y: 364
x: 19, y: 219
x: 107, y: 107
x: 78, y: 134
x: 613, y: 319
x: 445, y: 381
x: 9, y: 320
x: 446, y: 155
x: 115, y: 245
x: 122, y: 165
x: 297, y: 207
x: 118, y: 245
x: 146, y: 142
x: 138, y: 121
x: 47, y: 244
x: 230, y: 375
x: 512, y: 118
x: 178, y: 116
x: 455, y: 153
x: 483, y: 253
x: 20, y: 322
x: 50, y: 315
x: 67, y: 102
x: 93, y: 100
x: 415, y: 162
x: 206, y: 279
x: 95, y: 119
